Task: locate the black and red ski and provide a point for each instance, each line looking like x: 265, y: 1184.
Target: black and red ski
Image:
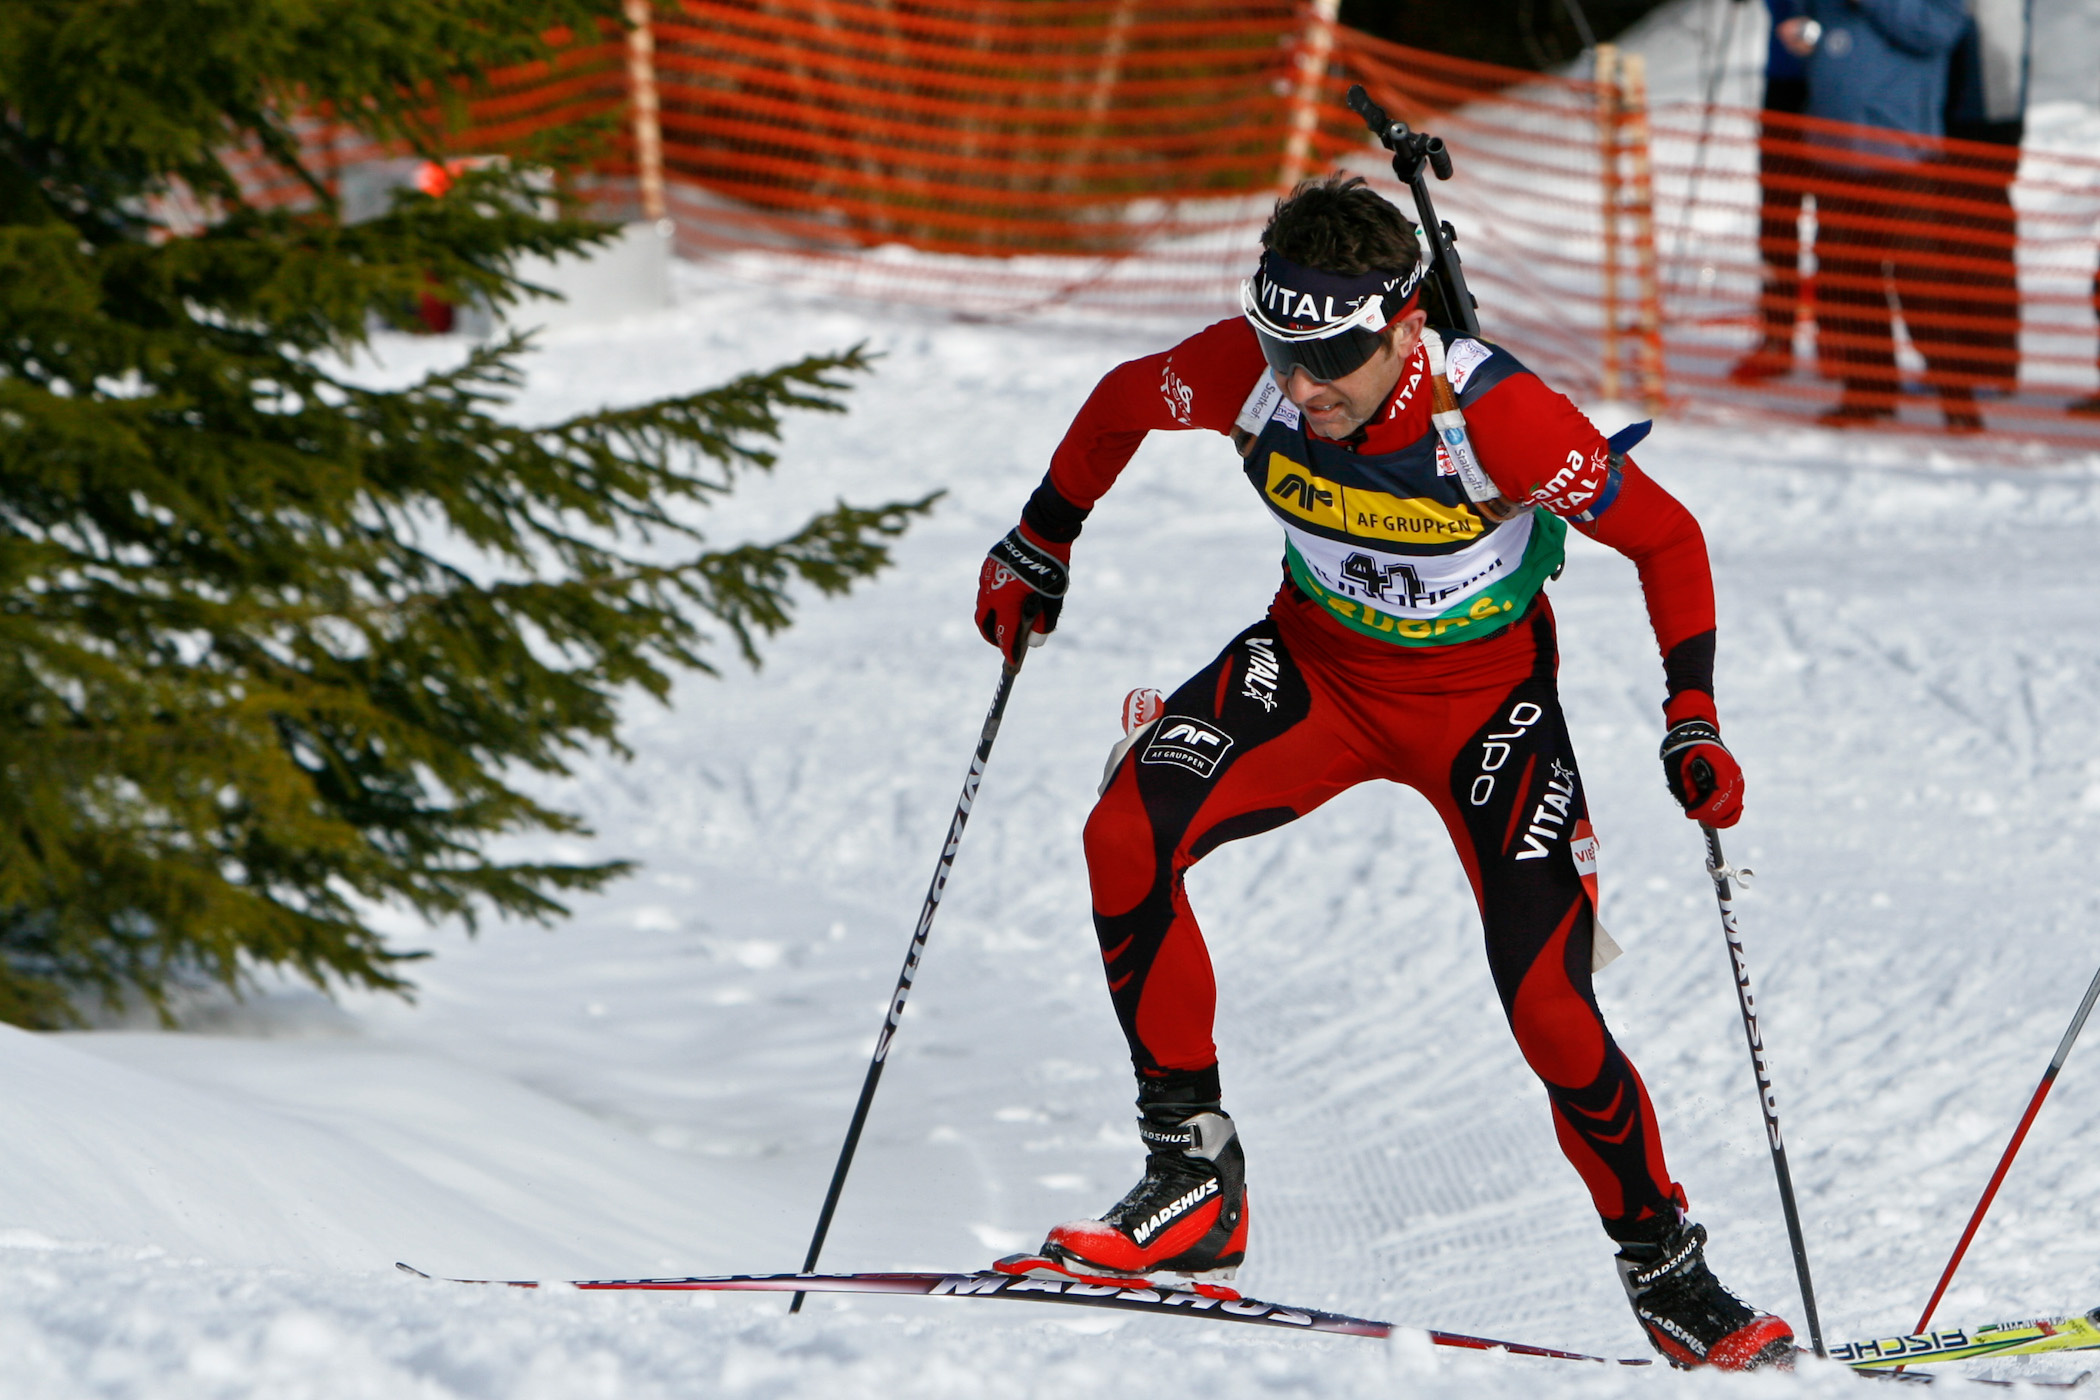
x: 1132, y: 1297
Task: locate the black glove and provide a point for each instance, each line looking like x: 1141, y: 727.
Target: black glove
x: 1703, y: 776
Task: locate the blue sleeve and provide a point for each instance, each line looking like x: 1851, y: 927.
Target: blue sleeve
x: 1922, y: 27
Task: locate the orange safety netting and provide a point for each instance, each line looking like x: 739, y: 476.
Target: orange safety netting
x: 1118, y: 157
x: 1526, y: 199
x: 585, y: 81
x: 1050, y: 148
x: 1973, y: 263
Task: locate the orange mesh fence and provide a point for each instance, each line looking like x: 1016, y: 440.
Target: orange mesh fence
x: 1907, y: 268
x: 1803, y: 255
x: 1116, y: 158
x: 583, y: 82
x: 1526, y: 198
x: 1057, y: 151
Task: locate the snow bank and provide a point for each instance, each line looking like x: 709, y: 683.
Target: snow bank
x: 333, y: 1153
x: 1908, y: 664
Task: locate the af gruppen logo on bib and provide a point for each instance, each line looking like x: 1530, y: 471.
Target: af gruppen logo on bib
x: 1187, y: 743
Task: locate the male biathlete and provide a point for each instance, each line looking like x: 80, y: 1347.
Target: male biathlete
x: 1410, y: 641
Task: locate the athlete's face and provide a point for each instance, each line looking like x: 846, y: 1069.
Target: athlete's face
x: 1339, y: 407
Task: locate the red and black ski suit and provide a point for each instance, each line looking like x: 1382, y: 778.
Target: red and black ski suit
x: 1312, y: 700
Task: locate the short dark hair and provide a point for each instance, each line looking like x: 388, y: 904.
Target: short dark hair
x: 1339, y: 224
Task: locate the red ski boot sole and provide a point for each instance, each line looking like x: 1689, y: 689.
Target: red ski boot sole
x: 1186, y: 1247
x: 1764, y: 1343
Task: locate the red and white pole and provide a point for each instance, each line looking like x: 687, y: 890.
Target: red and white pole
x: 646, y: 108
x: 1315, y: 49
x: 1990, y: 1192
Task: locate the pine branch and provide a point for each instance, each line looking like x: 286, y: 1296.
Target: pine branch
x: 275, y: 646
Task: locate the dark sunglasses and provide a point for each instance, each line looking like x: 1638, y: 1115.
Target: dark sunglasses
x: 1325, y: 352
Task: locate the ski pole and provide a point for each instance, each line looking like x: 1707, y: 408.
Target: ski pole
x: 1990, y: 1192
x: 912, y: 955
x: 1721, y: 871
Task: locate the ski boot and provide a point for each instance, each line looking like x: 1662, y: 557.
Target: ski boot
x: 1688, y: 1316
x: 1188, y: 1216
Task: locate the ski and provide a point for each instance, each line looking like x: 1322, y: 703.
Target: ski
x: 1172, y: 1302
x: 1879, y: 1357
x: 2073, y: 1332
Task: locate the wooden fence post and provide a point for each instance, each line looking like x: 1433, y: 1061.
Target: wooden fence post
x: 1101, y: 96
x: 1314, y: 49
x: 1607, y: 79
x: 1641, y: 205
x: 648, y: 127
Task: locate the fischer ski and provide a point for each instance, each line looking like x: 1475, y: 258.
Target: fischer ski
x: 2072, y: 1332
x: 1133, y: 1296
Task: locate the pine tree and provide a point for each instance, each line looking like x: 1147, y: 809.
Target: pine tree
x: 275, y: 645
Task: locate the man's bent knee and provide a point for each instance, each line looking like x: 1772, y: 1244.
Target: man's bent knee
x: 1119, y: 859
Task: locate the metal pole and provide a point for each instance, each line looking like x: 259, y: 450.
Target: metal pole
x: 1706, y: 123
x: 1720, y: 870
x: 1587, y: 35
x: 912, y: 955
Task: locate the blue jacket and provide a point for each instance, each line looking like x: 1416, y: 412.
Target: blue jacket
x: 1884, y: 63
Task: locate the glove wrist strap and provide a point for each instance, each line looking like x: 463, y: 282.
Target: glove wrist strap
x: 1032, y: 564
x: 1690, y: 734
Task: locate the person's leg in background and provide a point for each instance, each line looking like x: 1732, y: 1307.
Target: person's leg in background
x: 1963, y: 302
x: 1855, y: 336
x: 1781, y: 174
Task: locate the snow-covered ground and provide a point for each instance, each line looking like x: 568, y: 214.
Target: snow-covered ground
x: 1908, y: 668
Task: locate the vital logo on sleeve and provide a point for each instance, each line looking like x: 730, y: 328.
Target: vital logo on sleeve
x: 1188, y: 743
x: 1580, y: 490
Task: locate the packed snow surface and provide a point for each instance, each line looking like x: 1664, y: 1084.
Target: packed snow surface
x: 1908, y: 668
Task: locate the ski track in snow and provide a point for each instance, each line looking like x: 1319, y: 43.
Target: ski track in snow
x: 1908, y: 662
